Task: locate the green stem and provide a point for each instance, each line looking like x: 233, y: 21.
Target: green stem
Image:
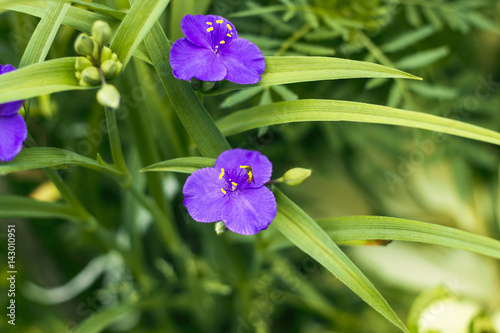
x: 115, y: 143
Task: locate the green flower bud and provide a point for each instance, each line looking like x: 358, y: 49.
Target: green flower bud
x: 109, y: 96
x: 111, y: 69
x: 101, y: 32
x: 82, y: 62
x: 85, y: 45
x: 91, y: 76
x: 220, y: 228
x: 295, y: 176
x: 106, y: 54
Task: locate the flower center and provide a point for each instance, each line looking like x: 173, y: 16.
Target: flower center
x: 219, y: 33
x: 235, y: 180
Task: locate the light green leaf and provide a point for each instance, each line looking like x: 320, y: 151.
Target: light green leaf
x: 257, y: 11
x: 285, y: 93
x: 39, y: 79
x: 103, y: 318
x: 22, y: 207
x: 44, y: 157
x: 183, y: 165
x: 423, y: 58
x: 240, y: 96
x: 192, y: 113
x: 302, y: 231
x: 330, y: 110
x: 351, y: 228
x: 284, y: 70
x: 407, y: 39
x: 45, y: 32
x: 134, y: 27
x: 433, y: 91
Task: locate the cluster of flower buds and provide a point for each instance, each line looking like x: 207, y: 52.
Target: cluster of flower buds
x: 98, y: 63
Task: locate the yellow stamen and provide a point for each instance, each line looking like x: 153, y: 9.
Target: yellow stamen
x: 229, y: 27
x: 243, y: 166
x: 229, y: 35
x: 210, y: 29
x: 219, y: 21
x: 222, y: 42
x: 234, y: 183
x: 209, y: 23
x: 221, y: 173
x: 223, y: 191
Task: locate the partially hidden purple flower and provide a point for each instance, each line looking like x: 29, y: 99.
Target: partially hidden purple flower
x: 212, y: 51
x: 13, y: 129
x: 233, y: 191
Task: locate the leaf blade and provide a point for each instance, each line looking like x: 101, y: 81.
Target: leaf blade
x: 183, y: 165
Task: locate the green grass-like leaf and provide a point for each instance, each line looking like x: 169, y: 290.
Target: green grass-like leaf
x: 39, y: 79
x: 22, y: 207
x: 183, y: 165
x: 351, y: 228
x: 139, y: 20
x: 285, y: 70
x: 330, y: 110
x: 305, y: 233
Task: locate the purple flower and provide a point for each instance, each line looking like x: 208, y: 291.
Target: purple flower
x: 233, y: 191
x: 13, y: 129
x: 212, y: 51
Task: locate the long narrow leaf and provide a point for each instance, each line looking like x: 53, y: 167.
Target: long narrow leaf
x: 21, y: 207
x: 40, y: 79
x: 305, y: 233
x: 285, y: 70
x: 351, y: 228
x: 330, y: 110
x: 183, y: 165
x: 139, y: 20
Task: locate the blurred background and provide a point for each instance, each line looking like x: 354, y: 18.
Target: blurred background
x: 262, y: 283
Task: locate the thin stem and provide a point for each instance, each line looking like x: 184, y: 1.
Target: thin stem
x: 115, y: 143
x: 293, y: 38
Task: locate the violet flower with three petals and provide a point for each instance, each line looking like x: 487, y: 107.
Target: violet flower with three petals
x: 212, y: 51
x: 13, y: 131
x: 233, y: 191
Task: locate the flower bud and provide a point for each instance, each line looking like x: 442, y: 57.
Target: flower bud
x: 81, y: 63
x: 85, y: 45
x: 220, y: 228
x: 106, y: 54
x: 90, y: 76
x: 101, y: 32
x: 111, y: 69
x: 295, y: 176
x: 109, y: 96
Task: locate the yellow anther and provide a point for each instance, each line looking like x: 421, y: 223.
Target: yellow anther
x: 229, y: 27
x: 243, y: 166
x: 210, y: 29
x: 222, y: 42
x: 223, y: 191
x: 219, y: 21
x: 229, y: 35
x: 209, y: 23
x: 221, y: 173
x: 234, y: 184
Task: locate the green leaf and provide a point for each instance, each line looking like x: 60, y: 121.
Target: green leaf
x: 39, y: 79
x: 191, y: 112
x: 183, y: 165
x: 302, y: 231
x: 21, y: 207
x: 285, y: 93
x: 331, y: 110
x: 103, y: 318
x: 352, y: 228
x: 134, y: 27
x: 284, y: 70
x: 240, y: 96
x: 407, y: 39
x: 44, y: 157
x: 45, y: 32
x: 423, y: 58
x: 257, y: 11
x: 433, y: 91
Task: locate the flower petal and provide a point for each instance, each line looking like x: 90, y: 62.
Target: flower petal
x: 188, y: 60
x: 243, y: 60
x: 13, y: 132
x: 231, y: 160
x: 10, y: 108
x: 203, y: 197
x: 249, y: 211
x: 206, y: 30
